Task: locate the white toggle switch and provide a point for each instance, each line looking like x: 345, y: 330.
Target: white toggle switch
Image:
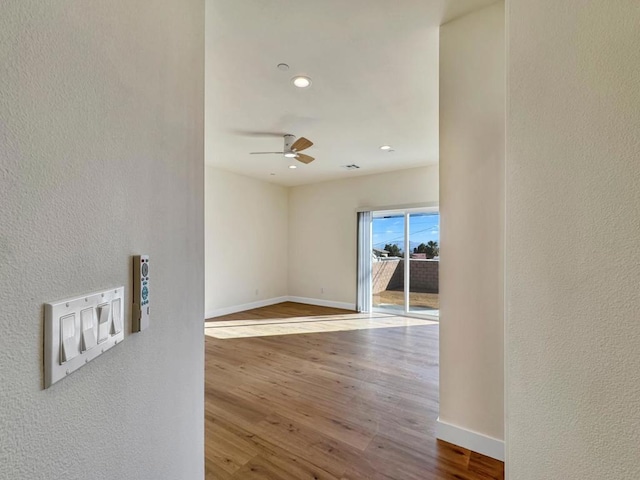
x: 104, y: 325
x: 116, y: 314
x: 69, y: 347
x: 88, y: 326
x: 79, y: 329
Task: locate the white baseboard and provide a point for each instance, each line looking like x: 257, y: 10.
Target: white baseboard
x: 272, y: 301
x: 474, y: 441
x: 323, y: 303
x: 246, y: 306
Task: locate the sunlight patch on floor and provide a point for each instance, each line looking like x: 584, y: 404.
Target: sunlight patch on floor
x: 298, y: 325
x: 399, y: 309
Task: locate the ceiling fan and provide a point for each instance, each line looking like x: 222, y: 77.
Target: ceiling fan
x: 292, y: 149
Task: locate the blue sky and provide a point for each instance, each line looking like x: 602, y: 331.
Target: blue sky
x: 423, y: 227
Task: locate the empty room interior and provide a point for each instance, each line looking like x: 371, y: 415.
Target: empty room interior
x: 276, y: 240
x: 322, y: 299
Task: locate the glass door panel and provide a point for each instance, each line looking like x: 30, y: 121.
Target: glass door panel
x: 423, y: 246
x: 387, y: 268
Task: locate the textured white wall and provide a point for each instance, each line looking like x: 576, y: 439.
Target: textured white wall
x: 101, y: 157
x: 323, y: 227
x: 246, y: 240
x: 472, y: 102
x: 573, y: 227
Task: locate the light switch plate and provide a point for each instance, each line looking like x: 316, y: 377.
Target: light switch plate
x: 80, y: 329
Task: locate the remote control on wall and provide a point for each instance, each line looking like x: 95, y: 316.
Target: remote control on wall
x: 140, y: 292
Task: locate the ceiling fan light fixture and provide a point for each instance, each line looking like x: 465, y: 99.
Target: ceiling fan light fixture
x: 292, y: 148
x: 301, y: 81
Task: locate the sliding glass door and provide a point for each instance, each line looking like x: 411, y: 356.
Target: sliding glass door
x: 404, y: 261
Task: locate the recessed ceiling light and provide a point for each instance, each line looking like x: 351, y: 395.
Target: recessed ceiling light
x: 301, y: 82
x: 283, y: 66
x: 293, y: 166
x: 385, y: 147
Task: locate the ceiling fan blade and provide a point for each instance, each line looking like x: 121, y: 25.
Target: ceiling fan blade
x: 304, y: 158
x: 266, y: 153
x: 256, y: 134
x: 301, y: 144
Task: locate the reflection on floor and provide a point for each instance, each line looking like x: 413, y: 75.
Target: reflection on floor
x: 399, y: 310
x: 296, y: 325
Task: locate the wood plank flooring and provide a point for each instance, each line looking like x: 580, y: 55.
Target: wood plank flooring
x: 348, y: 405
x: 316, y: 324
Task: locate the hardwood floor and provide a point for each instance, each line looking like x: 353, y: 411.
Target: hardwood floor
x: 289, y: 326
x: 348, y: 405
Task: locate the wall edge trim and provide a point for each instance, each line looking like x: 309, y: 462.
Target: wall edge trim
x: 474, y: 441
x: 218, y: 312
x: 323, y: 303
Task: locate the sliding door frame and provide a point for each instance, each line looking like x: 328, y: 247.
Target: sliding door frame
x: 406, y: 212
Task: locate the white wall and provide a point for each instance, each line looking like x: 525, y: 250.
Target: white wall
x: 573, y: 224
x: 246, y: 240
x: 101, y: 157
x: 323, y: 227
x: 472, y: 103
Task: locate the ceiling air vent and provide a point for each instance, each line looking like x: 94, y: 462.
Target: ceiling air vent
x: 353, y: 166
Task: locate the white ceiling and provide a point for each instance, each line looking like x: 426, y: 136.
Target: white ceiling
x: 374, y: 65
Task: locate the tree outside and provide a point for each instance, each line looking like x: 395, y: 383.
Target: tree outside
x: 394, y: 250
x: 430, y: 249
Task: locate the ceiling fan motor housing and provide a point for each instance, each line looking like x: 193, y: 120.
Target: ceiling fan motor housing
x: 288, y: 141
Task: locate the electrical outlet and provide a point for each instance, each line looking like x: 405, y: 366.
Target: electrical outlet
x: 321, y: 289
x: 257, y: 291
